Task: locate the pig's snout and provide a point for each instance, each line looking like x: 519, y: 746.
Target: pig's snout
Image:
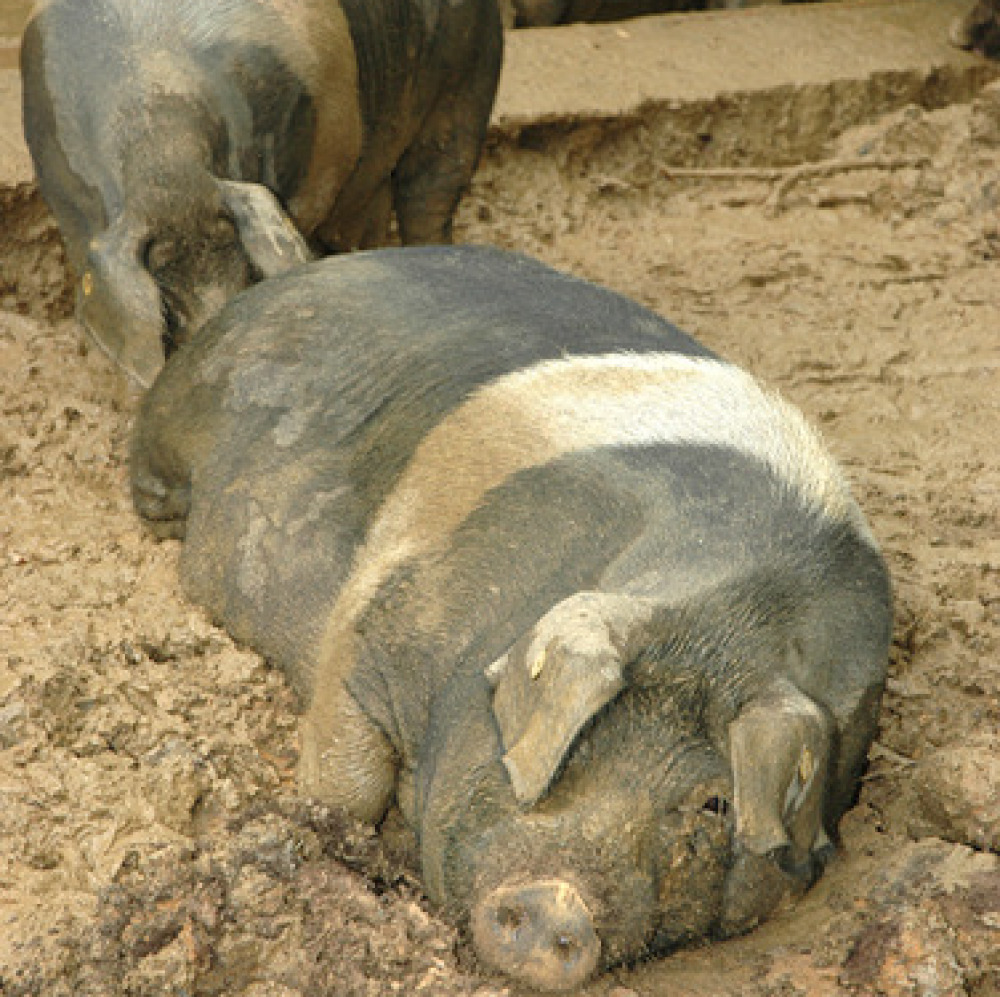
x: 540, y: 933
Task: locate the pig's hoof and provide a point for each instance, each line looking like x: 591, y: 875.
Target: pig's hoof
x: 538, y: 933
x: 162, y: 509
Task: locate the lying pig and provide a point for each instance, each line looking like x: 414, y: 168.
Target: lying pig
x: 595, y: 609
x: 177, y: 143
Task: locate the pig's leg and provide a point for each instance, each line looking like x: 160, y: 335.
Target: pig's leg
x: 162, y: 506
x: 165, y: 447
x: 437, y: 168
x: 539, y: 13
x: 430, y: 179
x: 345, y: 760
x: 363, y: 227
x: 582, y: 10
x: 779, y: 750
x: 374, y: 229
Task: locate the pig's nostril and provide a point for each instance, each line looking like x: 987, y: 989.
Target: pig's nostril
x: 509, y: 918
x: 566, y: 947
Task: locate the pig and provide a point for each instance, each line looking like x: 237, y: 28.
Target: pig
x: 979, y: 28
x: 592, y: 607
x: 188, y: 149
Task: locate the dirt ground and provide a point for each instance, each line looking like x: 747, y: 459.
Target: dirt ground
x: 150, y: 839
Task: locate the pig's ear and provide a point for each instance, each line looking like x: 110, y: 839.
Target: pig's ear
x: 548, y: 686
x: 779, y: 750
x: 270, y: 240
x: 119, y: 305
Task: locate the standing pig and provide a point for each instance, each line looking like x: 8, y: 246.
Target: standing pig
x: 177, y: 143
x: 596, y: 610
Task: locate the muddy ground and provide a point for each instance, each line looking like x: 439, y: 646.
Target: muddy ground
x: 150, y: 838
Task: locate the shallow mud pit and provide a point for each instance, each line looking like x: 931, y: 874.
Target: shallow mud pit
x: 150, y: 839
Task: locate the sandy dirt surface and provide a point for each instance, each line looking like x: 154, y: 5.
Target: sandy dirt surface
x: 150, y: 838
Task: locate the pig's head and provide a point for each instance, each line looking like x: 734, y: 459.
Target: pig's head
x: 626, y: 854
x: 180, y: 241
x: 618, y: 843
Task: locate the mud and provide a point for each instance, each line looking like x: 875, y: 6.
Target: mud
x: 150, y: 838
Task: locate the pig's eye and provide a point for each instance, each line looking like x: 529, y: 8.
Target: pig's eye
x: 158, y: 254
x: 717, y: 805
x: 224, y: 229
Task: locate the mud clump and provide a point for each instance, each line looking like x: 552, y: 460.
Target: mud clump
x: 33, y: 276
x: 958, y: 792
x: 290, y: 900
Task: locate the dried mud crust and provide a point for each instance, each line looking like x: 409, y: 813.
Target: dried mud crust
x: 150, y: 841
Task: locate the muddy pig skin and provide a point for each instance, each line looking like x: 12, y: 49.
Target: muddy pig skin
x: 189, y: 148
x: 596, y: 609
